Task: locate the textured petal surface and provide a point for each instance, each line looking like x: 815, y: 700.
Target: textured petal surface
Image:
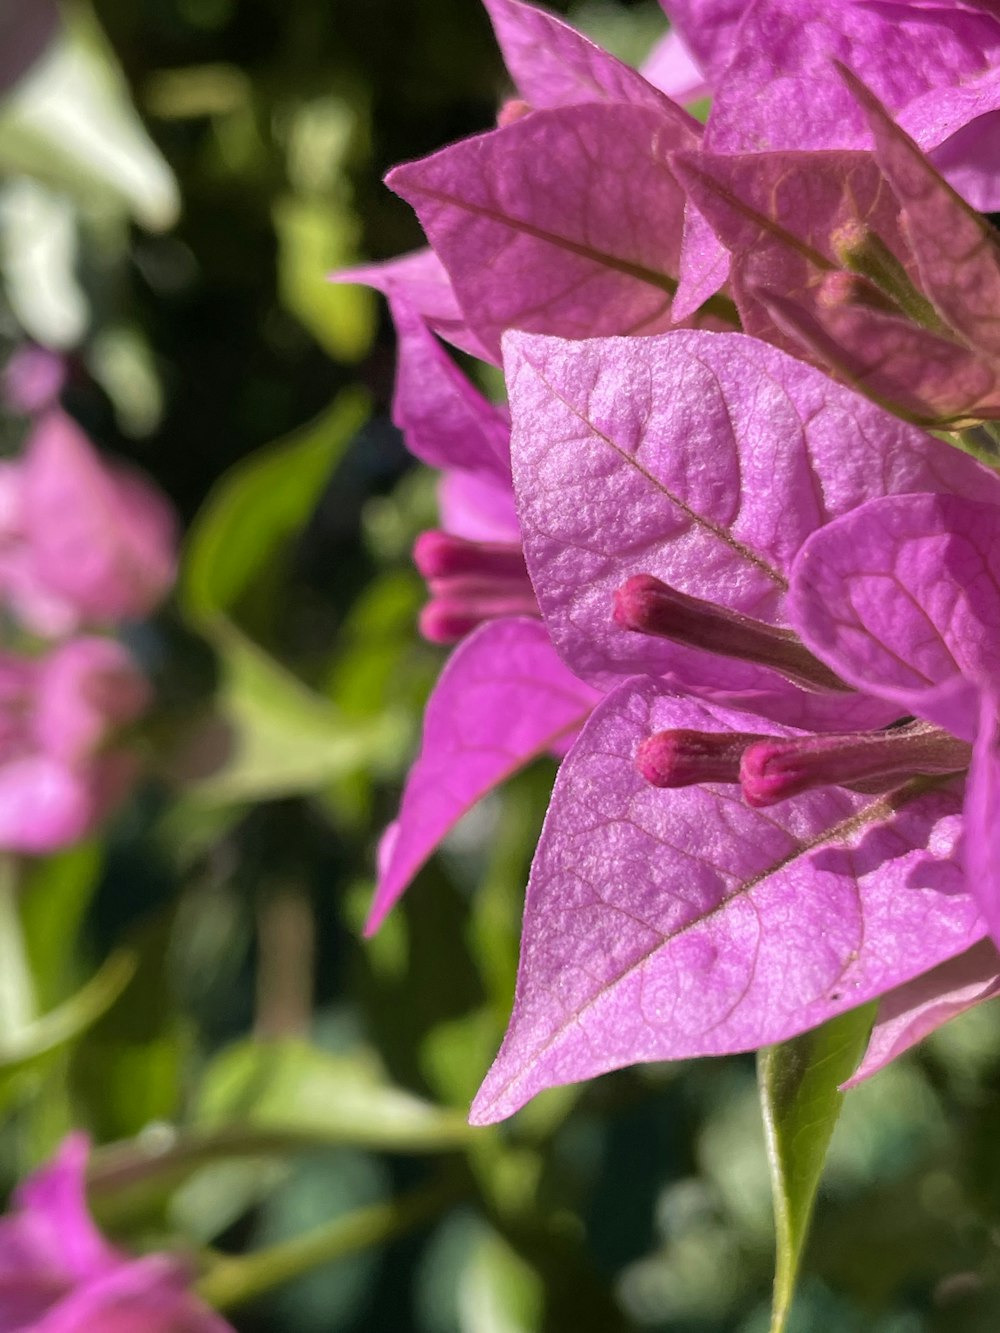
x: 672, y: 68
x: 902, y: 599
x: 781, y: 89
x: 663, y: 925
x: 503, y: 699
x: 913, y: 1011
x: 968, y: 158
x: 420, y: 280
x: 778, y: 214
x: 567, y: 221
x: 982, y: 806
x: 704, y: 264
x: 709, y: 29
x: 955, y: 249
x: 924, y: 376
x: 554, y: 65
x: 705, y: 459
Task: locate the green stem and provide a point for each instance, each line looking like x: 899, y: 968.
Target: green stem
x: 235, y: 1281
x: 981, y: 441
x: 18, y: 1006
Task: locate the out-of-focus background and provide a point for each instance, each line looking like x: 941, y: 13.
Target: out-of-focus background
x: 178, y: 178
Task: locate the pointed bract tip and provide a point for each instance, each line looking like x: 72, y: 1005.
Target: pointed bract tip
x: 373, y: 922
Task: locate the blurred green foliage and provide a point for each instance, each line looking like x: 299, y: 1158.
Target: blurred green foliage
x: 196, y: 992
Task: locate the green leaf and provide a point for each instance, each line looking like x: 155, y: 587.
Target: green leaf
x: 27, y: 1051
x: 258, y: 505
x: 127, y: 1070
x: 798, y: 1089
x: 293, y: 1088
x: 280, y: 738
x: 72, y: 124
x: 498, y: 1292
x: 315, y: 237
x: 54, y: 899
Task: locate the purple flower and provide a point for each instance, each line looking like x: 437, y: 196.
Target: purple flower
x: 58, y: 774
x: 560, y: 260
x: 771, y: 66
x: 528, y: 218
x: 81, y: 543
x: 936, y: 67
x: 712, y: 879
x: 504, y: 697
x: 903, y: 598
x: 870, y: 264
x: 909, y: 1013
x: 59, y: 1275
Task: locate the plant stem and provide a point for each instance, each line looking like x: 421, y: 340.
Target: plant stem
x: 17, y: 987
x: 235, y: 1281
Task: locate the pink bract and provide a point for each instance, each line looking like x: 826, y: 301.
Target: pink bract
x: 59, y: 1275
x: 58, y: 778
x: 663, y: 925
x: 82, y: 543
x: 503, y: 699
x: 706, y: 460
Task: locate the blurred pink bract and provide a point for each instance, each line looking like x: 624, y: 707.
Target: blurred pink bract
x: 56, y: 778
x: 59, y: 1275
x: 81, y: 543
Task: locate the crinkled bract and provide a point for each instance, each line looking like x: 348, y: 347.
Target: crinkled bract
x: 870, y: 264
x: 666, y: 925
x: 706, y: 460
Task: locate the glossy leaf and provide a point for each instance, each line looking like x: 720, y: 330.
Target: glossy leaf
x: 799, y: 1082
x: 258, y: 505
